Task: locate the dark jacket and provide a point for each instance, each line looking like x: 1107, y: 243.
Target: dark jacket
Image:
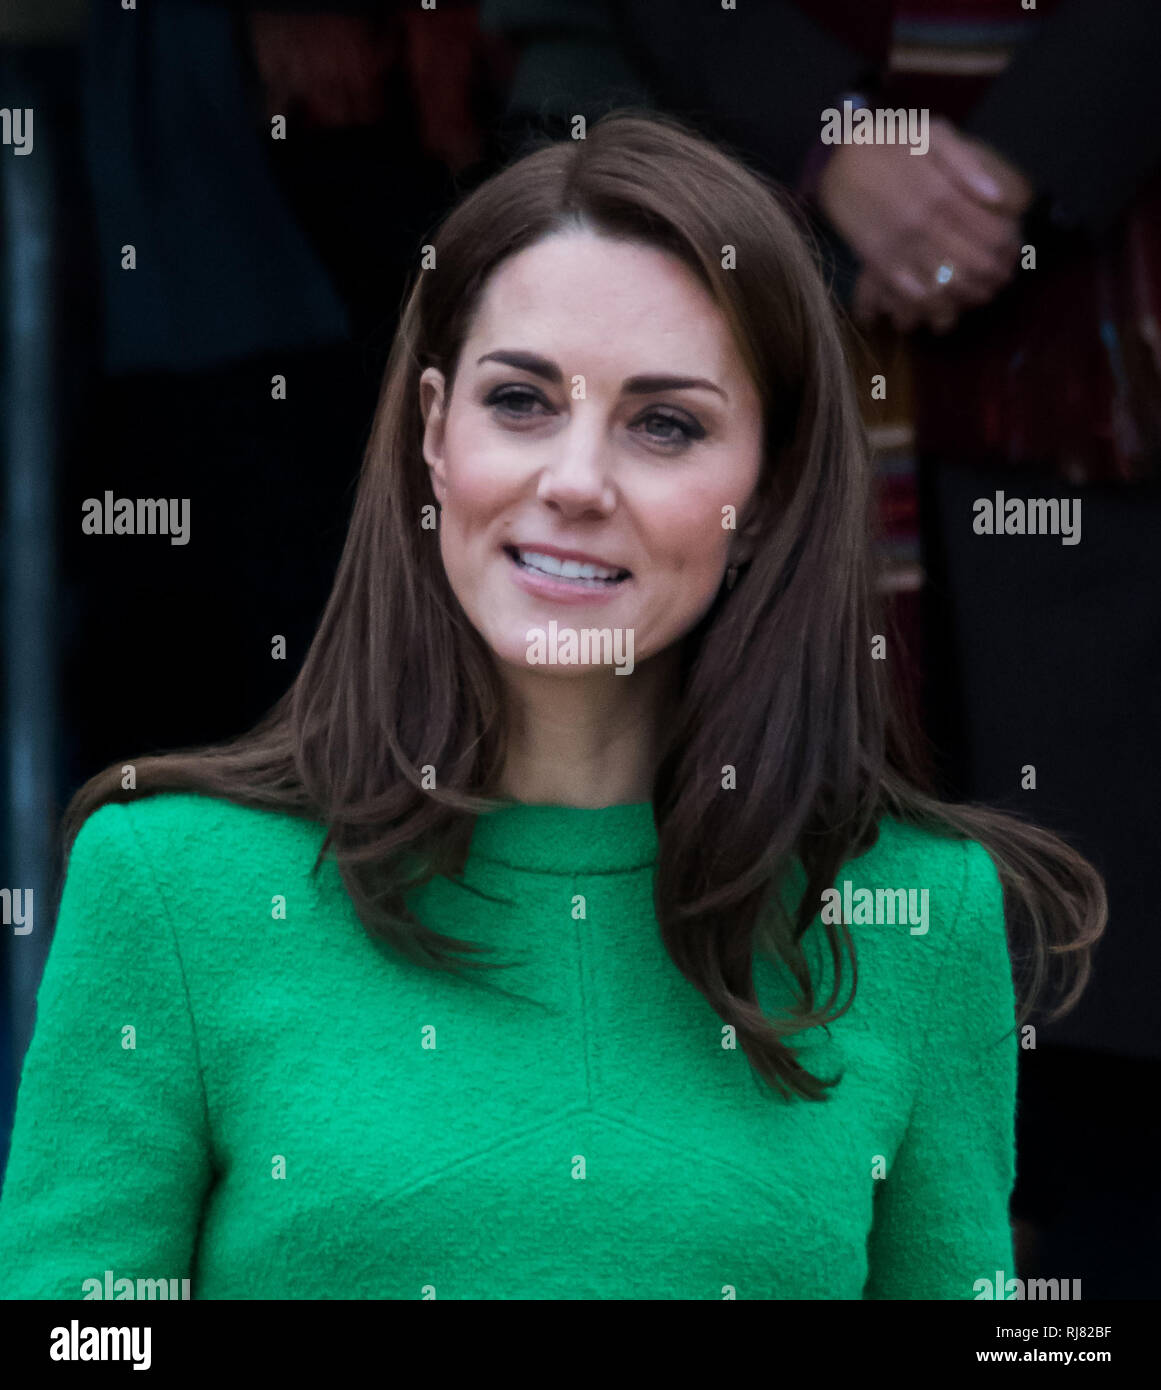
x: 1075, y: 110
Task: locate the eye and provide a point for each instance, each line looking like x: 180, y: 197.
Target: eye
x: 515, y: 401
x: 668, y: 428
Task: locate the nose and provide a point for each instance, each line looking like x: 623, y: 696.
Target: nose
x: 577, y: 477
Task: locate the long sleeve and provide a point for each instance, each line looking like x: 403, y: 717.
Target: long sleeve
x: 110, y: 1157
x: 1076, y: 110
x: 178, y: 168
x: 572, y: 59
x: 759, y: 77
x: 588, y: 55
x: 941, y: 1214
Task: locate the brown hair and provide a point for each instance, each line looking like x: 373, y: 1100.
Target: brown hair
x: 778, y: 678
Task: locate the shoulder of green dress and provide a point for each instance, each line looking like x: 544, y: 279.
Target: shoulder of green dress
x: 944, y: 891
x: 927, y: 908
x: 167, y: 828
x: 919, y: 906
x: 961, y: 870
x: 938, y: 877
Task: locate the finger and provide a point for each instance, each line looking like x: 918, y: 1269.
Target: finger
x: 955, y: 150
x: 954, y: 277
x: 960, y: 162
x: 907, y: 262
x: 961, y: 291
x: 949, y: 226
x: 935, y: 304
x: 996, y: 239
x: 906, y: 283
x: 981, y: 173
x: 945, y: 262
x: 976, y: 246
x: 905, y: 313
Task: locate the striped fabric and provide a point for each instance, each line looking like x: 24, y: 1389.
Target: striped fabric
x: 940, y: 55
x: 1061, y: 375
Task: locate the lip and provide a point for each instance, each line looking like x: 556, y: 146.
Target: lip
x: 578, y: 555
x: 563, y: 591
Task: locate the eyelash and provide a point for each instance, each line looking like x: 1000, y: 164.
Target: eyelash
x: 504, y: 394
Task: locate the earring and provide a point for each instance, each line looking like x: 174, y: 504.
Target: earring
x: 731, y: 576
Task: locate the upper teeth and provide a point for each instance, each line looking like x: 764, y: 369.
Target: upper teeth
x: 566, y: 569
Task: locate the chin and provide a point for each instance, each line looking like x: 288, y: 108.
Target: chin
x: 548, y: 653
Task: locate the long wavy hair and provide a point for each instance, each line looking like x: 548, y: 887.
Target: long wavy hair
x: 777, y: 679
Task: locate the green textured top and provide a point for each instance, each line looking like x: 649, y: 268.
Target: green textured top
x: 231, y: 1082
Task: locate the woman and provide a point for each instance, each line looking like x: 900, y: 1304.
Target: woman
x: 261, y: 1062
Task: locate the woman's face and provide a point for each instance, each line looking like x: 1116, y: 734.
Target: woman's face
x: 601, y: 420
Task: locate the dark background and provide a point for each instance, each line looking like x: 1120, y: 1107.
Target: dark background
x: 259, y: 257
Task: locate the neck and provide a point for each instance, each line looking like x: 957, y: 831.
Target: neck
x: 588, y: 740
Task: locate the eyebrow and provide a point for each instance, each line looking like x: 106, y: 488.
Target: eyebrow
x: 634, y: 385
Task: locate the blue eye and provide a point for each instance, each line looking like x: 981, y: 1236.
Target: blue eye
x: 686, y: 429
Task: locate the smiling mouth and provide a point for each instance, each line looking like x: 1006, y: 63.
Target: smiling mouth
x: 569, y: 571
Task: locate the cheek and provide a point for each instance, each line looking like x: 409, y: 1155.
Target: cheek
x: 479, y: 473
x: 685, y: 529
x: 480, y: 486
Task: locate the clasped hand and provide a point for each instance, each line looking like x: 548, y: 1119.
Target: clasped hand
x: 936, y: 233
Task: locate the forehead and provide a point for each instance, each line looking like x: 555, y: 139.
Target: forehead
x: 580, y: 292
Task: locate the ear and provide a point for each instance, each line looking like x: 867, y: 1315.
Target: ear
x: 746, y: 538
x: 432, y: 407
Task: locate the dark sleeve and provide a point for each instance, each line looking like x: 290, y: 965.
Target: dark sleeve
x: 572, y: 58
x: 758, y: 77
x: 1077, y: 108
x: 177, y: 161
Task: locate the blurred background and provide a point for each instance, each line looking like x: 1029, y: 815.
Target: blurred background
x: 165, y: 254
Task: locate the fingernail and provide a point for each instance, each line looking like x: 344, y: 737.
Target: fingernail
x: 988, y: 188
